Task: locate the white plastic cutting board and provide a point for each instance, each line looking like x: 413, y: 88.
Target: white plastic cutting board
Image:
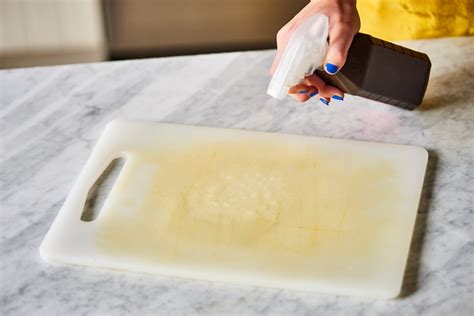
x: 247, y: 207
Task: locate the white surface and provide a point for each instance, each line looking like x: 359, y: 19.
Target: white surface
x: 374, y: 270
x: 50, y: 119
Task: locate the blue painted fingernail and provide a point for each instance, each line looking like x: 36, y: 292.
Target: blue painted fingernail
x: 336, y: 97
x: 313, y: 93
x: 332, y: 69
x: 324, y: 101
x: 303, y: 91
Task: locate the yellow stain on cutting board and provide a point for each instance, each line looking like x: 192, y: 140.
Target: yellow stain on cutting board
x: 260, y: 207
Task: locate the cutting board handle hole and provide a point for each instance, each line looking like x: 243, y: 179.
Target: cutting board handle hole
x: 99, y: 192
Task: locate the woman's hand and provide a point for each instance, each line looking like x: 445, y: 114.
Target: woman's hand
x: 344, y: 23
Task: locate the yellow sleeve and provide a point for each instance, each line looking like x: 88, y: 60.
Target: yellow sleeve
x: 412, y: 19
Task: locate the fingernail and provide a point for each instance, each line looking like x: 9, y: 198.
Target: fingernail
x: 303, y: 91
x: 332, y: 69
x: 313, y: 93
x: 336, y: 97
x: 324, y: 101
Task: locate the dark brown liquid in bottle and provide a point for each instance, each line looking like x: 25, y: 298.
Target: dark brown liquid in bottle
x: 384, y: 72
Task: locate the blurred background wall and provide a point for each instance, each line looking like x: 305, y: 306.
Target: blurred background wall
x: 49, y: 32
x: 44, y: 32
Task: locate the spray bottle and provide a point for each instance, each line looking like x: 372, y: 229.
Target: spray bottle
x: 374, y: 69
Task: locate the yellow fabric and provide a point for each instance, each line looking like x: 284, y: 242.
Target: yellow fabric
x: 412, y: 19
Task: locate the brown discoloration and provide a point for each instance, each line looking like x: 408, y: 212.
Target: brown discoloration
x: 289, y: 210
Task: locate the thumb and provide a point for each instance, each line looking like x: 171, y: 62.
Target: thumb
x: 276, y: 61
x: 283, y: 36
x: 340, y: 39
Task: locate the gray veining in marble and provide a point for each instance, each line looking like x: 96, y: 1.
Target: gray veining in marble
x: 50, y: 118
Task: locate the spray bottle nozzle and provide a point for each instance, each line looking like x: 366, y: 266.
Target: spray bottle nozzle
x: 305, y: 52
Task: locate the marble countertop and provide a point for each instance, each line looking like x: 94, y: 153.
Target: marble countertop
x: 51, y: 117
